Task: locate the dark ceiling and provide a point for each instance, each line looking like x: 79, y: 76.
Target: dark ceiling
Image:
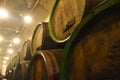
x: 17, y: 9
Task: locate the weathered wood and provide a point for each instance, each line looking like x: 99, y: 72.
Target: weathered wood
x: 45, y: 65
x: 93, y: 52
x: 67, y: 14
x: 25, y: 53
x: 41, y: 39
x: 11, y: 67
x: 20, y: 71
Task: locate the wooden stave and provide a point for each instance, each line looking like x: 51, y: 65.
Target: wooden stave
x: 20, y: 71
x: 25, y: 53
x: 48, y: 64
x: 58, y: 35
x: 68, y: 51
x: 45, y: 36
x: 12, y: 66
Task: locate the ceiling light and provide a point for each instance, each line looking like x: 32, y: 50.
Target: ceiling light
x: 3, y: 13
x: 3, y: 65
x: 6, y: 58
x: 1, y: 38
x: 10, y: 51
x: 11, y: 45
x: 16, y: 40
x: 17, y: 31
x: 10, y: 71
x: 27, y: 19
x: 4, y: 62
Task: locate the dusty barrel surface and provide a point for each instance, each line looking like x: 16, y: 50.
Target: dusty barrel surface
x: 25, y: 53
x: 11, y: 67
x: 8, y: 72
x: 15, y: 60
x: 20, y: 71
x: 14, y: 65
x: 67, y: 14
x: 41, y: 39
x: 45, y: 65
x: 93, y: 51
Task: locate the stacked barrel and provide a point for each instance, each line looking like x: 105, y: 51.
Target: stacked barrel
x: 46, y: 55
x: 93, y: 50
x: 39, y: 57
x: 10, y: 71
x: 80, y: 42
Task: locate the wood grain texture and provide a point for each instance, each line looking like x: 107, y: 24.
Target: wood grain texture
x: 25, y: 53
x: 67, y: 14
x: 41, y: 39
x: 20, y: 71
x: 95, y: 51
x: 45, y: 65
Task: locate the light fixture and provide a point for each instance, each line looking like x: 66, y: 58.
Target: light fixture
x: 30, y: 38
x: 11, y: 45
x: 1, y: 38
x: 17, y: 31
x: 3, y: 65
x: 3, y: 13
x: 10, y: 51
x: 4, y: 62
x: 27, y: 19
x: 16, y: 40
x: 4, y: 79
x: 6, y: 58
x: 10, y: 71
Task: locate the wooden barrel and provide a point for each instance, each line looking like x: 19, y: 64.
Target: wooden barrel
x: 67, y: 14
x: 41, y: 39
x: 17, y: 59
x: 13, y: 61
x: 13, y: 64
x: 20, y: 71
x: 10, y: 70
x: 45, y: 65
x: 93, y: 51
x: 25, y: 53
x: 10, y: 75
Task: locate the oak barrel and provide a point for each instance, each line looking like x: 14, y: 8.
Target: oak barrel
x: 10, y: 71
x: 20, y: 71
x: 45, y: 65
x: 67, y: 14
x: 25, y: 53
x: 14, y: 62
x: 93, y: 51
x: 17, y: 59
x: 11, y: 67
x: 41, y: 39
